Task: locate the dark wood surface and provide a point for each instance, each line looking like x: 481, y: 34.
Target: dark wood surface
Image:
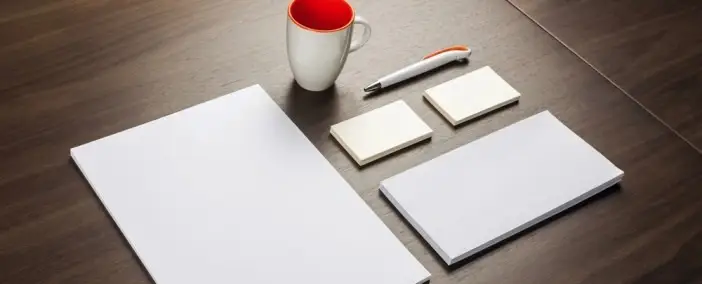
x: 75, y: 71
x: 650, y: 48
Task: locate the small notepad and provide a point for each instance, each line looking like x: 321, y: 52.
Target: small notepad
x: 380, y: 132
x: 490, y: 189
x: 471, y: 95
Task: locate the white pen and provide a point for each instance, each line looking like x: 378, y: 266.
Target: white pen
x: 428, y: 63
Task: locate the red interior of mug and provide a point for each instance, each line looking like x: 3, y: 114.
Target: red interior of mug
x: 321, y: 15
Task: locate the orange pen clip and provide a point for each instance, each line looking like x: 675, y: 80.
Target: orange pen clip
x: 451, y: 48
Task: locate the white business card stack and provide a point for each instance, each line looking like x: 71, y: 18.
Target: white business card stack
x: 471, y: 95
x: 380, y: 132
x: 488, y: 190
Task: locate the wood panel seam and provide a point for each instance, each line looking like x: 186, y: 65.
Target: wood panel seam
x: 699, y: 151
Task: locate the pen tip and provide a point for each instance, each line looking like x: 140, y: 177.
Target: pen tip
x: 373, y: 87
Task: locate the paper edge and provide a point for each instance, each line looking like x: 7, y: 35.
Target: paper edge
x: 491, y: 109
x: 444, y: 256
x: 536, y: 221
x: 74, y: 153
x: 346, y: 147
x: 255, y: 86
x: 429, y: 97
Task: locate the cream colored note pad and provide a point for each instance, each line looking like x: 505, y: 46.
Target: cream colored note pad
x: 380, y: 132
x: 471, y: 95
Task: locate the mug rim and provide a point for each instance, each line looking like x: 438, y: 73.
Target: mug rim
x: 290, y: 16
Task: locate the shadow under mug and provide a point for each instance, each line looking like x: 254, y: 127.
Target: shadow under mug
x: 319, y: 40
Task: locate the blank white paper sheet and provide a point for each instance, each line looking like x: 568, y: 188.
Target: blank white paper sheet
x: 488, y: 190
x: 231, y: 191
x: 380, y: 132
x: 471, y: 95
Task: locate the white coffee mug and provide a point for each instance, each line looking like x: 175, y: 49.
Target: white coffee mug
x: 319, y: 40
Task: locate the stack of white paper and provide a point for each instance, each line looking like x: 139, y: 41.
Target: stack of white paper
x: 484, y: 192
x: 230, y: 191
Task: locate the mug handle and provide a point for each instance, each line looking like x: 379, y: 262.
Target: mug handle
x: 357, y: 44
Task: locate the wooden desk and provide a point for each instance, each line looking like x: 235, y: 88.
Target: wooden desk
x: 652, y: 49
x: 74, y: 71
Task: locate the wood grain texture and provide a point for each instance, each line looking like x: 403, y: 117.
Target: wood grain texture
x: 650, y: 48
x: 74, y: 71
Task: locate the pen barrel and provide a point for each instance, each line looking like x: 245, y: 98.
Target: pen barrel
x: 419, y: 68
